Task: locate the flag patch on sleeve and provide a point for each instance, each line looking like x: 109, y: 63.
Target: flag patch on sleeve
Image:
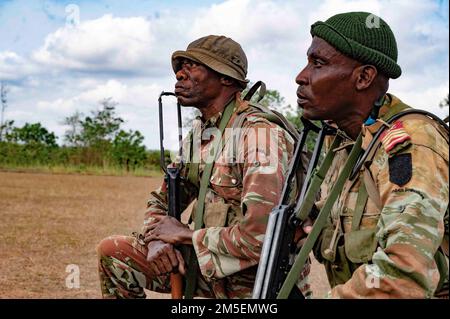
x: 395, y: 138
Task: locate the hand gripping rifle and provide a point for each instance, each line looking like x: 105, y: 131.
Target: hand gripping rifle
x: 172, y: 178
x: 278, y: 251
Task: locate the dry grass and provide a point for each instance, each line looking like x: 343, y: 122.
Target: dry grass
x: 50, y: 221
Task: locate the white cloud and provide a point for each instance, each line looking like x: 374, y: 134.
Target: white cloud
x: 112, y: 88
x: 329, y: 8
x: 14, y: 67
x: 269, y: 31
x: 126, y: 95
x: 106, y: 44
x: 427, y: 98
x: 128, y: 58
x: 275, y: 36
x: 58, y: 106
x: 254, y: 22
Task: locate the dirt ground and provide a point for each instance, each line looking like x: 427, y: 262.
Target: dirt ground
x: 48, y: 223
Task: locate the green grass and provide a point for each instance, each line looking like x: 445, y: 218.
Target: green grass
x: 83, y: 170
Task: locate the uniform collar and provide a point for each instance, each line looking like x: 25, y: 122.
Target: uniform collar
x: 211, y: 122
x: 214, y: 121
x: 368, y: 131
x: 390, y: 101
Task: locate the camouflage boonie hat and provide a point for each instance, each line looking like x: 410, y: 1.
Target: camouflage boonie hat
x: 222, y: 54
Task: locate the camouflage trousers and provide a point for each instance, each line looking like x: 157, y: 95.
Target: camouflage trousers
x: 124, y: 271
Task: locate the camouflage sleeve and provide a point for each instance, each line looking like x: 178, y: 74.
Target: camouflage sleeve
x: 157, y: 204
x: 411, y: 227
x: 223, y: 251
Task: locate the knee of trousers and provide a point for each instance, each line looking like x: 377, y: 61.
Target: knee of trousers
x: 109, y: 246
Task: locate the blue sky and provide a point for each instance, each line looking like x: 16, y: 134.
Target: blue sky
x: 61, y: 56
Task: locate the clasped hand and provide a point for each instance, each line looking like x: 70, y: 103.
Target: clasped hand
x: 161, y: 235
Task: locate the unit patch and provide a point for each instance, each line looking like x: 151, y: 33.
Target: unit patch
x: 395, y: 138
x: 400, y: 169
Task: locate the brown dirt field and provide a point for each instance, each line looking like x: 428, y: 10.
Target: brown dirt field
x: 50, y: 221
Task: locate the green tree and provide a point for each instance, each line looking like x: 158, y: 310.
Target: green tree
x: 128, y: 150
x: 274, y: 100
x: 4, y: 105
x: 30, y: 144
x: 33, y: 134
x: 102, y: 126
x: 72, y: 136
x: 6, y: 130
x: 93, y: 135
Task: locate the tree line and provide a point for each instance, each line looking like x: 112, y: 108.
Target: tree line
x: 95, y: 140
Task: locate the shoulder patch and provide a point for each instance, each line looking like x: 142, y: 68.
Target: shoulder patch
x: 400, y: 169
x: 395, y: 138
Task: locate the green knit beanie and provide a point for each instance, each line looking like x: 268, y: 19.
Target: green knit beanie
x: 364, y: 37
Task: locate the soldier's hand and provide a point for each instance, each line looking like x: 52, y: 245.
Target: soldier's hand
x: 181, y: 263
x: 169, y: 230
x: 303, y: 231
x: 162, y: 257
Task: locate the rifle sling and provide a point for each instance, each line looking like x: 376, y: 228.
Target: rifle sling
x: 361, y: 202
x: 193, y: 165
x: 204, y: 183
x: 302, y: 209
x: 321, y: 220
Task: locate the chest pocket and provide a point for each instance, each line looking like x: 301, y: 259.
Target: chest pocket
x: 342, y: 251
x: 226, y: 181
x: 356, y: 242
x: 359, y: 226
x: 222, y: 207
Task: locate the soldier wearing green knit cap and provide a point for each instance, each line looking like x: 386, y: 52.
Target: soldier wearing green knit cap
x: 386, y: 234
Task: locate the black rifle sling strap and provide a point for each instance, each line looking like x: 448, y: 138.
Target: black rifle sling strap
x: 252, y: 91
x: 204, y: 183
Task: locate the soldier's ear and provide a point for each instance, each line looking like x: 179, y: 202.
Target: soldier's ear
x: 365, y: 76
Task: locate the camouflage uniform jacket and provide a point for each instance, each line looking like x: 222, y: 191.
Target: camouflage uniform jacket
x: 238, y: 202
x: 390, y: 252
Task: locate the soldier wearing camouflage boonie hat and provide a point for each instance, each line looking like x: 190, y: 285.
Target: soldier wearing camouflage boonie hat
x: 238, y: 198
x: 387, y: 233
x: 221, y: 54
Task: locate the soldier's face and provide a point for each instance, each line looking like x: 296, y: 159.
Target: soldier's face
x: 197, y: 85
x: 326, y: 84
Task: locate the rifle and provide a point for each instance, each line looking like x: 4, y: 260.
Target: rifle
x: 172, y: 178
x: 278, y: 250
